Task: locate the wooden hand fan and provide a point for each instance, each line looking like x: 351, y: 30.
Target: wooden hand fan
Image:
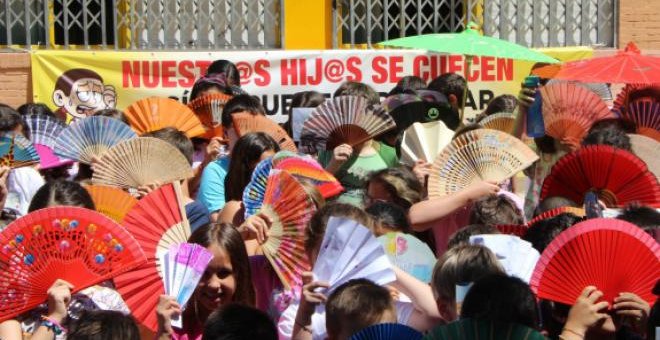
x: 478, y: 155
x: 646, y: 116
x: 91, y: 137
x: 17, y: 151
x: 111, y: 201
x: 502, y: 121
x: 157, y: 222
x: 44, y: 129
x: 617, y: 176
x: 475, y: 329
x: 570, y: 110
x: 74, y: 244
x: 246, y: 122
x: 613, y: 255
x: 554, y: 212
x: 424, y: 142
x: 209, y: 110
x: 290, y: 209
x: 155, y: 113
x: 141, y: 161
x: 344, y: 120
x: 646, y: 149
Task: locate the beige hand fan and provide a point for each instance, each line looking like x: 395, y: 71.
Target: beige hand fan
x: 482, y: 154
x: 141, y: 161
x: 501, y: 121
x: 646, y: 148
x: 246, y: 122
x: 424, y: 141
x: 569, y: 110
x: 155, y: 113
x: 344, y: 120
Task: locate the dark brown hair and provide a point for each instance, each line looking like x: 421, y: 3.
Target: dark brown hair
x: 246, y: 153
x: 61, y: 192
x: 103, y: 325
x: 401, y: 183
x: 495, y: 210
x: 67, y: 79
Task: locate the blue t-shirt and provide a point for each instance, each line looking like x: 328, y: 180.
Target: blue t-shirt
x: 212, y: 185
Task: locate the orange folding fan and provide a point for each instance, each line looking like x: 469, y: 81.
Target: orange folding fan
x: 569, y: 110
x: 209, y: 110
x: 157, y: 221
x: 155, y: 113
x: 246, y: 122
x: 110, y: 201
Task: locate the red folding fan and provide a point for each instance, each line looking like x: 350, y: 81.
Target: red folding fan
x: 157, y: 221
x: 554, y: 212
x: 74, y: 244
x: 246, y: 122
x: 209, y: 110
x: 309, y: 169
x: 617, y: 176
x: 646, y: 116
x: 623, y: 98
x: 612, y: 255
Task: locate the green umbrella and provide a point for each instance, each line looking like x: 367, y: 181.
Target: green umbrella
x: 470, y: 43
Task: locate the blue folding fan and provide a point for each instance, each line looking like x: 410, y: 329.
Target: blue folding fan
x: 17, y: 151
x: 44, y: 129
x: 253, y: 195
x: 387, y: 331
x: 91, y: 136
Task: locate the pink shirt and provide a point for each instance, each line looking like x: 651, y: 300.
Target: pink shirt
x: 448, y: 225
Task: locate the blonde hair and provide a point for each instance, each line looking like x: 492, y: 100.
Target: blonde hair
x: 401, y: 183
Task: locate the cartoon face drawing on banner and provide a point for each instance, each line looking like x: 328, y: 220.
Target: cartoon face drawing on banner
x: 80, y: 92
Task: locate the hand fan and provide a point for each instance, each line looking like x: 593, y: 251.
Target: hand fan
x: 387, y: 331
x: 556, y: 211
x: 255, y: 191
x: 647, y: 150
x: 74, y: 244
x: 246, y: 122
x: 570, y: 110
x: 344, y: 120
x: 502, y: 121
x: 44, y: 129
x: 141, y: 161
x: 155, y: 113
x: 91, y: 137
x: 208, y: 109
x: 290, y: 209
x: 512, y: 229
x: 474, y: 329
x: 410, y: 254
x: 111, y: 201
x: 407, y: 109
x: 612, y: 255
x: 309, y: 169
x: 17, y: 151
x: 601, y: 89
x: 183, y: 267
x: 350, y: 251
x: 481, y: 154
x: 622, y: 101
x: 517, y: 257
x: 617, y: 176
x: 646, y: 116
x: 157, y: 222
x: 424, y: 141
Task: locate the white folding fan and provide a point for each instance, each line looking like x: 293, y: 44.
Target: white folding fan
x: 424, y: 141
x: 517, y: 257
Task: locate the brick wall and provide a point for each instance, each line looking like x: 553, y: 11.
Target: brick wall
x: 638, y: 22
x: 15, y: 80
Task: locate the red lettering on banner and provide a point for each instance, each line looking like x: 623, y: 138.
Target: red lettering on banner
x: 317, y: 77
x: 188, y: 76
x: 474, y: 70
x: 130, y: 71
x: 487, y: 68
x: 289, y: 71
x: 396, y: 68
x: 419, y: 62
x: 504, y: 69
x: 202, y: 65
x: 455, y: 64
x: 150, y: 79
x: 261, y: 70
x: 303, y: 71
x: 380, y: 72
x: 168, y: 73
x: 353, y: 67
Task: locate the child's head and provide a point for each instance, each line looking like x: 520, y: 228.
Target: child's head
x: 408, y: 84
x: 502, y: 103
x: 495, y: 210
x: 11, y: 121
x: 462, y: 236
x: 241, y: 103
x: 177, y: 139
x: 502, y: 299
x: 541, y: 233
x: 610, y: 135
x: 316, y: 228
x: 389, y: 217
x: 228, y: 278
x: 355, y: 305
x: 397, y: 185
x: 354, y: 88
x: 209, y: 84
x: 112, y: 113
x: 103, y: 325
x: 37, y: 109
x: 460, y: 265
x: 61, y: 192
x: 302, y: 99
x: 553, y: 202
x: 451, y: 85
x: 644, y: 217
x: 249, y: 150
x: 239, y: 322
x: 227, y: 68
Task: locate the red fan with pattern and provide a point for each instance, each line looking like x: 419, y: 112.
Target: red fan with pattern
x: 612, y: 255
x: 310, y: 169
x: 157, y: 221
x: 74, y: 244
x: 617, y: 176
x: 246, y: 122
x: 208, y: 109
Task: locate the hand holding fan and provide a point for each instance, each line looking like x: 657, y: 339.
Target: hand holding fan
x: 141, y: 161
x: 17, y: 151
x: 424, y: 141
x: 157, y: 222
x: 410, y: 254
x: 502, y: 121
x: 612, y: 255
x: 91, y: 137
x: 74, y: 244
x: 209, y: 110
x: 478, y: 155
x: 111, y: 201
x: 344, y: 120
x: 155, y: 113
x: 246, y: 122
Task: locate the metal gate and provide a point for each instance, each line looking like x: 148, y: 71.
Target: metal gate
x: 142, y: 24
x: 533, y: 23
